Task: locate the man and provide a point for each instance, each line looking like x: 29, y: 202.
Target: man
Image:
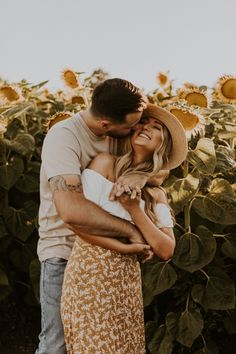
x: 68, y: 148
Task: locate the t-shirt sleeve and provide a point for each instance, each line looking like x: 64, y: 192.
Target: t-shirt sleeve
x: 61, y: 153
x: 164, y: 216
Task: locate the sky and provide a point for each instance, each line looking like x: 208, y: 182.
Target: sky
x: 130, y: 39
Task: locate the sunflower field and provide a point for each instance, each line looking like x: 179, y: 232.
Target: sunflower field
x: 190, y: 299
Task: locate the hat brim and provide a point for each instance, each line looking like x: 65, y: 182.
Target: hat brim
x: 179, y: 141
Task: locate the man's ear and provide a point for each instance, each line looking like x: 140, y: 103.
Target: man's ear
x: 105, y: 124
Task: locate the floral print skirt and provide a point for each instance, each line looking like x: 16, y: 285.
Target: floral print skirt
x: 102, y: 305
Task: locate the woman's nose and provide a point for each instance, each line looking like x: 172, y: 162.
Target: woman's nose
x: 146, y: 126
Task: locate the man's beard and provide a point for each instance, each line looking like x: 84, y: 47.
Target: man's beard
x: 117, y: 134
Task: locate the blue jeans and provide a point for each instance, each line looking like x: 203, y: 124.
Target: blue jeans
x: 52, y: 334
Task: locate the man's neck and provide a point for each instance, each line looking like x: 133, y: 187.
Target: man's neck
x: 92, y: 123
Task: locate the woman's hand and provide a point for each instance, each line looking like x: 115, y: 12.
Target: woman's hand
x: 132, y: 184
x: 129, y: 204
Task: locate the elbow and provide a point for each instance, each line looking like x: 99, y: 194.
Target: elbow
x: 166, y: 253
x: 68, y: 218
x: 65, y: 216
x: 167, y: 256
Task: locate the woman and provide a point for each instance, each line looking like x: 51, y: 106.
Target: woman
x: 102, y: 307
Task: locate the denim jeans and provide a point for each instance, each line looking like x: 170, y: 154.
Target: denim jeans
x: 52, y: 335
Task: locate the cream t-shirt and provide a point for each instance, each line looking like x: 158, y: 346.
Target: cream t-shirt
x: 68, y: 148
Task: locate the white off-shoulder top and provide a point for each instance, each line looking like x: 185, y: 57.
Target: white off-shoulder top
x: 97, y: 189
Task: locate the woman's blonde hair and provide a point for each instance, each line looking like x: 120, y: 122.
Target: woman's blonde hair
x: 123, y: 166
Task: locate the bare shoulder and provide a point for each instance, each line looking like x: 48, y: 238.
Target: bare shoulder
x: 103, y: 163
x: 159, y: 194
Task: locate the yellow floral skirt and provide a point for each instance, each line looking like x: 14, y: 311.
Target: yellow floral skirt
x: 102, y: 305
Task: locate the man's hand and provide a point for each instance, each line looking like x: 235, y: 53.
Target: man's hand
x: 130, y: 184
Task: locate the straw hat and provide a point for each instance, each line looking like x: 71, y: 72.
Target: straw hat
x: 179, y: 141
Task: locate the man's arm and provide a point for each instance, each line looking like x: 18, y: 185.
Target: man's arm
x: 75, y: 209
x: 115, y: 245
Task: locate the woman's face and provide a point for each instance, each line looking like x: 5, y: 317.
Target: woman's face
x: 148, y: 134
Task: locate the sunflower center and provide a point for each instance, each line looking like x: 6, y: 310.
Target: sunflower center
x: 229, y: 88
x: 187, y: 119
x: 9, y: 93
x: 196, y: 98
x: 71, y: 79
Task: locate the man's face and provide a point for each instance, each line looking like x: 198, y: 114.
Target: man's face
x: 124, y: 129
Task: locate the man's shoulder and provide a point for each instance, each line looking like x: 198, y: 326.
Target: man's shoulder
x: 66, y: 128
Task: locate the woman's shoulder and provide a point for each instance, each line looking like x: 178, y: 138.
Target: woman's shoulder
x: 158, y: 194
x: 103, y: 163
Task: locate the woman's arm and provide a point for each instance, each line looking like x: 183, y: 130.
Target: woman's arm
x: 161, y: 240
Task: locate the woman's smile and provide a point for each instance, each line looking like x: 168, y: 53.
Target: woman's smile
x: 144, y: 135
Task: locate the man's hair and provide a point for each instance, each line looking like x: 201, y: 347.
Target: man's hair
x: 115, y: 98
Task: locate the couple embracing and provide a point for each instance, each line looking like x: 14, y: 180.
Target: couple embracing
x: 102, y: 210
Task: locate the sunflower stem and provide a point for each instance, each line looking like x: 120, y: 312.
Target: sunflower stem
x: 201, y: 270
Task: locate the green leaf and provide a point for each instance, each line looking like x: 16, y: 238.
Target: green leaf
x: 203, y: 157
x: 10, y: 172
x: 29, y: 182
x: 156, y: 279
x: 172, y: 323
x: 150, y: 329
x: 182, y: 191
x: 21, y: 222
x: 218, y: 293
x: 3, y: 278
x: 230, y: 322
x: 220, y: 208
x: 4, y: 285
x: 222, y: 134
x: 3, y: 230
x: 34, y: 272
x: 220, y: 185
x: 199, y: 207
x: 219, y: 205
x: 225, y: 162
x: 27, y: 143
x: 209, y: 348
x: 229, y: 246
x: 23, y: 144
x: 162, y: 342
x: 21, y: 258
x: 41, y: 84
x: 194, y: 251
x: 190, y: 326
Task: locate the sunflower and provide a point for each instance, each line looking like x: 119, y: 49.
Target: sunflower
x: 70, y: 78
x: 225, y: 89
x: 77, y: 100
x: 188, y: 118
x: 57, y: 117
x: 190, y: 85
x: 3, y: 125
x: 194, y: 96
x: 11, y: 93
x: 162, y: 78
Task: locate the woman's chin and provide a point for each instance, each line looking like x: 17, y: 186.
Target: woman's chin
x: 140, y: 141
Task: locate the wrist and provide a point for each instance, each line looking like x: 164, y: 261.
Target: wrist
x: 136, y: 209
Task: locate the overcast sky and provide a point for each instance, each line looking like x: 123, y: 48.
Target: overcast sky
x: 131, y: 39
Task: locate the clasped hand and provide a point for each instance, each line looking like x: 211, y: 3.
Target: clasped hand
x: 130, y: 185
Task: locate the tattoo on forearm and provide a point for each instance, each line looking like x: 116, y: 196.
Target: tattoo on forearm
x: 58, y: 183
